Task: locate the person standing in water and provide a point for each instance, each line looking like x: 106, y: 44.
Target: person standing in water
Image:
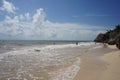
x: 76, y: 43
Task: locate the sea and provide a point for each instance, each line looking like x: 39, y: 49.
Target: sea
x: 41, y: 59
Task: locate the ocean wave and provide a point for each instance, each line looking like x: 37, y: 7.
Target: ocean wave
x: 28, y: 62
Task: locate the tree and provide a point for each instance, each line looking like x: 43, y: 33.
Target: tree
x: 111, y: 37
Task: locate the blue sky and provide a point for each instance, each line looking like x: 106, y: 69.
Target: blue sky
x: 57, y: 19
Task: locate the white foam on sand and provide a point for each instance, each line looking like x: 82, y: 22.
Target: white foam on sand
x: 24, y: 61
x: 68, y: 73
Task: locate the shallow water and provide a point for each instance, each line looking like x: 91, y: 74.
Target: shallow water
x: 51, y: 62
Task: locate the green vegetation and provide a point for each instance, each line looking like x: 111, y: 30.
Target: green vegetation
x: 111, y: 37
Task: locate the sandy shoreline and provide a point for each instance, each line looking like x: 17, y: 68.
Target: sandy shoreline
x: 62, y: 62
x: 101, y: 64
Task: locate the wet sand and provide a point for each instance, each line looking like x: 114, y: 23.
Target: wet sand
x: 53, y: 62
x: 85, y: 61
x: 100, y: 64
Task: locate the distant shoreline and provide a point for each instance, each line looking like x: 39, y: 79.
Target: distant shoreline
x: 49, y: 40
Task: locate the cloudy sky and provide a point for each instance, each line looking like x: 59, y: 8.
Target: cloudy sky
x: 57, y: 19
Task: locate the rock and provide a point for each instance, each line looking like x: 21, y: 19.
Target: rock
x: 99, y: 38
x: 103, y: 38
x: 37, y: 50
x: 118, y: 41
x: 111, y: 42
x: 111, y: 37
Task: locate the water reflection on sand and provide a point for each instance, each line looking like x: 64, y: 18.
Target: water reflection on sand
x: 42, y: 63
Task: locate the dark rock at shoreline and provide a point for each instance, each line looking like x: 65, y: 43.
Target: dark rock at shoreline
x: 102, y: 38
x: 118, y: 41
x: 99, y: 38
x: 111, y: 42
x: 111, y: 37
x: 37, y: 50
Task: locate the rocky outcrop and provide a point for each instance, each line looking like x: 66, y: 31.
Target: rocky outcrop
x: 111, y: 37
x: 118, y: 41
x: 102, y: 38
x: 99, y: 38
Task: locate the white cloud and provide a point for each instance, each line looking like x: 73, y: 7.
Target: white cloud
x: 26, y: 26
x: 27, y: 15
x: 38, y: 16
x: 21, y: 17
x: 7, y: 6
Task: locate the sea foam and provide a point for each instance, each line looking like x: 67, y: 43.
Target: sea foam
x: 27, y: 62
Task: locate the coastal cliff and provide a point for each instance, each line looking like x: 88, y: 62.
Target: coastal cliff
x: 111, y: 37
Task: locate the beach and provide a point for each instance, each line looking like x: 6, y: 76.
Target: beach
x: 84, y: 61
x: 102, y: 64
x: 42, y: 61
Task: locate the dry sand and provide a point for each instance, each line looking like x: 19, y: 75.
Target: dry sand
x: 100, y: 64
x: 113, y: 66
